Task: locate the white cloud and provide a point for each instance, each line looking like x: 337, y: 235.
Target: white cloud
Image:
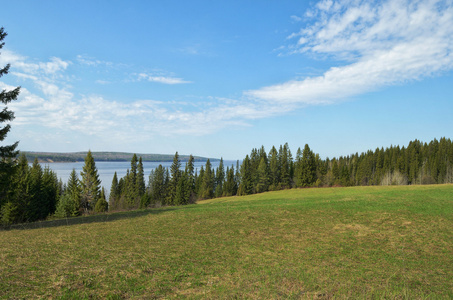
x: 296, y: 18
x: 385, y: 43
x: 49, y: 105
x: 162, y: 79
x: 92, y: 62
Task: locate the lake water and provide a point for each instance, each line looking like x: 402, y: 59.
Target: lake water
x: 106, y: 170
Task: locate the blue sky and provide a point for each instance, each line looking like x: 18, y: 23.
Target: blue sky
x: 218, y: 78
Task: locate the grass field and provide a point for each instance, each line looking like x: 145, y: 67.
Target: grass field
x: 361, y: 242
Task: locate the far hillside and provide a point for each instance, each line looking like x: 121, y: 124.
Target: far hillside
x: 103, y: 156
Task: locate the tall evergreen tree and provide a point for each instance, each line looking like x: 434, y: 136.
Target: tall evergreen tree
x: 219, y: 179
x: 274, y: 168
x: 175, y: 177
x: 7, y: 152
x: 307, y: 172
x: 263, y: 176
x: 140, y: 181
x: 207, y: 184
x: 73, y: 189
x: 49, y: 192
x: 115, y: 193
x: 190, y: 168
x: 19, y: 198
x: 157, y: 182
x: 246, y: 185
x: 90, y: 184
x: 36, y: 208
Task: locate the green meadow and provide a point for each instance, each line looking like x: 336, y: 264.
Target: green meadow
x: 328, y: 243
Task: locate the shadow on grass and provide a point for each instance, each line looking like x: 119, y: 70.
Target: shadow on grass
x: 107, y: 217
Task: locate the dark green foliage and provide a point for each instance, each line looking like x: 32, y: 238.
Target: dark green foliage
x: 207, y: 183
x: 274, y: 169
x: 140, y: 180
x: 246, y: 185
x: 7, y: 152
x: 157, y: 185
x: 101, y: 204
x: 230, y: 186
x: 305, y: 167
x: 219, y: 179
x: 115, y: 192
x: 33, y: 194
x: 263, y: 176
x: 69, y: 204
x: 183, y: 190
x: 90, y: 184
x: 174, y: 180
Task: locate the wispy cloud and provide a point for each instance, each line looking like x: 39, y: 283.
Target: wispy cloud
x: 52, y: 104
x: 161, y: 79
x: 90, y: 61
x: 383, y: 43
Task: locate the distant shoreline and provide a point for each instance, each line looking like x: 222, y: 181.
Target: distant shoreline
x: 71, y: 157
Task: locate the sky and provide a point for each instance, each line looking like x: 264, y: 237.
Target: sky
x: 218, y: 78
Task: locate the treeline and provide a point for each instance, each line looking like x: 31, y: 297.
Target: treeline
x: 261, y: 171
x: 176, y: 185
x: 33, y: 193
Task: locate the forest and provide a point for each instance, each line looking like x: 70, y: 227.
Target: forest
x: 34, y: 193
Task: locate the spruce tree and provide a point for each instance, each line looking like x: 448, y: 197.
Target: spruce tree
x: 274, y: 169
x: 263, y: 177
x: 37, y: 206
x: 157, y: 185
x: 114, y: 192
x: 73, y: 189
x: 7, y: 152
x: 175, y: 177
x: 140, y: 180
x: 101, y: 204
x: 219, y: 179
x: 90, y: 184
x: 49, y: 192
x: 308, y: 168
x: 246, y: 185
x: 207, y: 184
x: 19, y: 199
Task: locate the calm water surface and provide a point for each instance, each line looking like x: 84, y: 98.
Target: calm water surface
x: 106, y: 170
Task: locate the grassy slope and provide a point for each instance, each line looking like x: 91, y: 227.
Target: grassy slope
x: 366, y: 242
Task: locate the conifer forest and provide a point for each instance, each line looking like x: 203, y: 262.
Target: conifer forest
x: 34, y: 193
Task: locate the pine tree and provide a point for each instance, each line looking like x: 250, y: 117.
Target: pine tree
x: 19, y: 198
x: 246, y: 185
x: 231, y: 185
x: 199, y: 183
x: 207, y: 184
x: 36, y: 208
x: 101, y: 204
x: 263, y: 176
x: 90, y: 184
x: 140, y: 181
x: 7, y: 152
x: 73, y: 189
x: 49, y: 192
x: 274, y: 169
x: 308, y: 168
x: 114, y: 192
x: 157, y: 181
x: 174, y: 180
x: 191, y: 179
x: 219, y: 179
